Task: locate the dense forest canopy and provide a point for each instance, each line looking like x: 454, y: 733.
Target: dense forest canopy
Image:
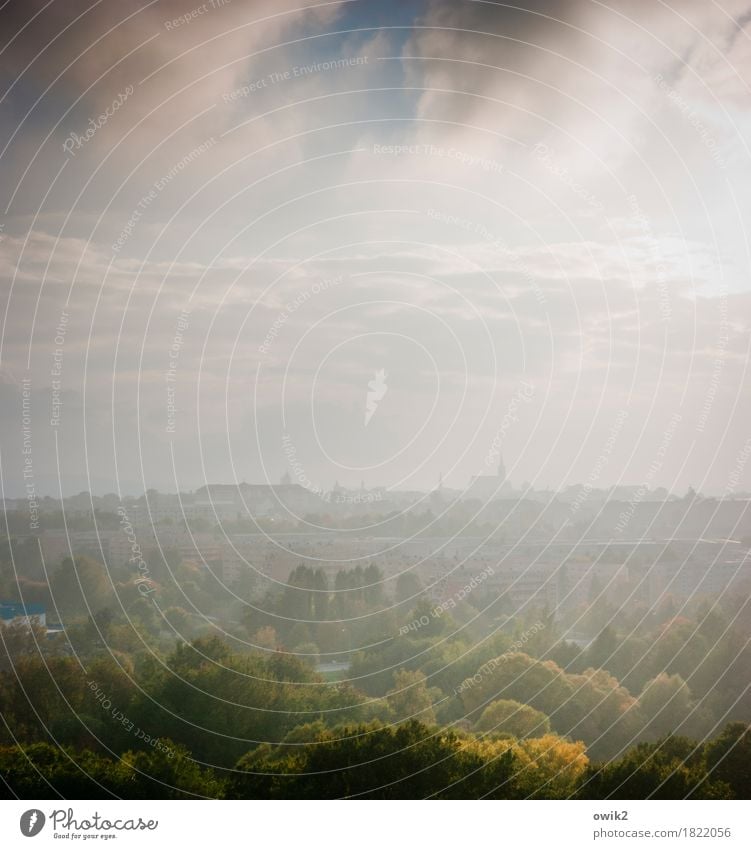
x: 422, y: 699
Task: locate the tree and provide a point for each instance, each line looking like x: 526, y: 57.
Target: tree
x: 299, y: 633
x: 668, y: 769
x: 297, y: 601
x: 308, y: 653
x: 665, y: 703
x: 80, y: 586
x: 551, y: 767
x: 411, y: 697
x: 17, y: 639
x: 506, y: 716
x: 373, y: 580
x: 266, y: 638
x: 600, y: 653
x: 592, y: 706
x: 428, y: 620
x: 408, y: 761
x: 320, y: 598
x: 408, y: 587
x: 728, y: 759
x: 166, y: 771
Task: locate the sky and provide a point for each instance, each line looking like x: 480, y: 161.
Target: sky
x: 373, y: 242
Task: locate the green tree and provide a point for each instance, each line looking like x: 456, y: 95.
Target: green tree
x: 408, y: 761
x: 665, y: 704
x: 408, y: 587
x: 80, y: 586
x: 506, y: 716
x: 728, y: 759
x: 411, y: 697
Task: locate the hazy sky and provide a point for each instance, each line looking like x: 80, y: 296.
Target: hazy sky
x: 529, y: 218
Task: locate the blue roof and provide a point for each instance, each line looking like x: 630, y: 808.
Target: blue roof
x: 12, y: 609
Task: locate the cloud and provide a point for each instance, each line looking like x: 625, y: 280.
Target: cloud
x: 608, y: 267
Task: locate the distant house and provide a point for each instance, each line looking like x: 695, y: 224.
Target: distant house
x: 15, y: 611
